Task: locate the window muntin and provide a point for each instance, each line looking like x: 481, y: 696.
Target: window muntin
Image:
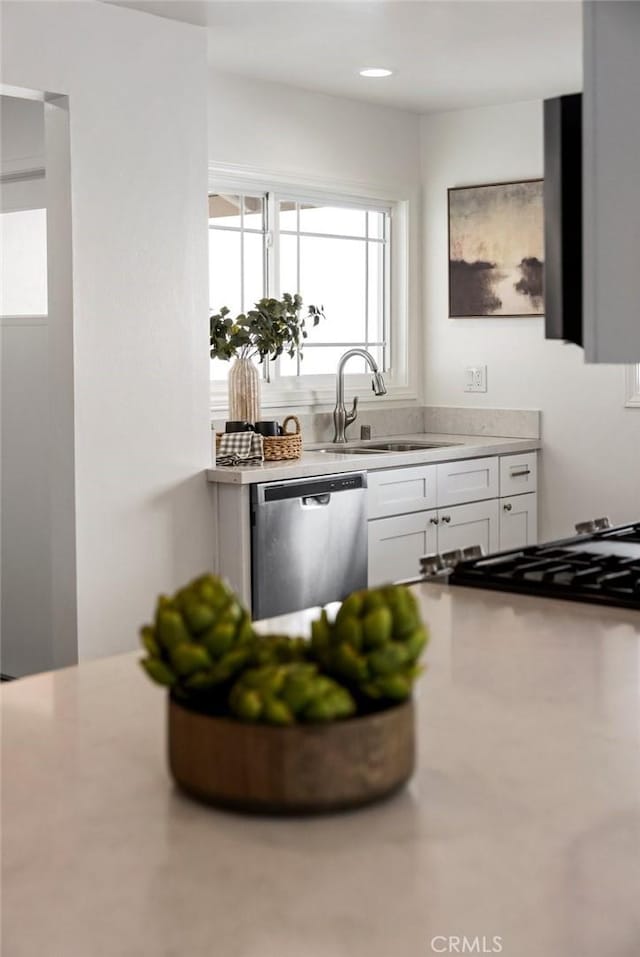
x: 237, y: 257
x: 336, y: 252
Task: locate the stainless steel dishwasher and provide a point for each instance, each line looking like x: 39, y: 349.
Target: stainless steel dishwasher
x: 308, y: 542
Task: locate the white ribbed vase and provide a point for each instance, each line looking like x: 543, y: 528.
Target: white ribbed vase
x: 244, y: 391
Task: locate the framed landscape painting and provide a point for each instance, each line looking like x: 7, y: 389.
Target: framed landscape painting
x: 496, y: 250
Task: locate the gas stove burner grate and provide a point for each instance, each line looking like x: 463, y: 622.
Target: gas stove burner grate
x: 603, y: 567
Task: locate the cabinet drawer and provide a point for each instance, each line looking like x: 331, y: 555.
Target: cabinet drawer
x: 518, y: 521
x: 518, y: 473
x: 469, y: 480
x: 397, y: 491
x: 397, y: 544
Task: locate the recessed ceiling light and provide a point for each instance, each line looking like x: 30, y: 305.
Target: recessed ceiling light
x: 376, y: 71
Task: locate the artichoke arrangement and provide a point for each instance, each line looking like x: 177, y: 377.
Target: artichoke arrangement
x: 284, y: 694
x: 374, y: 643
x: 203, y: 646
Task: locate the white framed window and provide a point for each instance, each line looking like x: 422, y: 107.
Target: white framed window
x: 336, y: 254
x: 632, y: 398
x: 345, y: 251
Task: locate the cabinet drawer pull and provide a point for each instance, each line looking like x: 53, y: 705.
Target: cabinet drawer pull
x: 507, y: 507
x: 520, y: 472
x: 446, y: 519
x: 433, y: 521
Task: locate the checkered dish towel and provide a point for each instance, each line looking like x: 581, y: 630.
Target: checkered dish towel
x: 240, y: 448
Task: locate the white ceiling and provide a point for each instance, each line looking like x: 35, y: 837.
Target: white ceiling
x: 448, y: 54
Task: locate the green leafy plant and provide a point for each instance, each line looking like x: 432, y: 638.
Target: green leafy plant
x: 271, y: 328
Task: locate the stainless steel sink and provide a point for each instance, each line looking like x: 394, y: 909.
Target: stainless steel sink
x: 406, y: 446
x: 344, y: 450
x: 379, y: 447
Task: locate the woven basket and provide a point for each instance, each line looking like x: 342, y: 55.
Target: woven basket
x: 277, y: 448
x: 287, y: 446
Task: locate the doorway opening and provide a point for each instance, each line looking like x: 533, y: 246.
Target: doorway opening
x: 37, y: 490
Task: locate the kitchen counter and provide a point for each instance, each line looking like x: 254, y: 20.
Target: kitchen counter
x: 325, y: 463
x: 522, y: 821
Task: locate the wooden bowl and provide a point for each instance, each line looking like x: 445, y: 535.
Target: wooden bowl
x: 303, y: 769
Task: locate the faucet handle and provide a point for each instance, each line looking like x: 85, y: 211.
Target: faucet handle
x: 351, y: 416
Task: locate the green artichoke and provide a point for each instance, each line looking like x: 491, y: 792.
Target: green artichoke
x: 277, y: 650
x: 201, y: 637
x: 286, y: 694
x: 374, y: 642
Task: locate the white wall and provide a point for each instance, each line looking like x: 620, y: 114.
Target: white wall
x: 137, y: 93
x: 21, y: 148
x: 25, y: 623
x: 280, y: 128
x: 21, y: 133
x: 590, y: 465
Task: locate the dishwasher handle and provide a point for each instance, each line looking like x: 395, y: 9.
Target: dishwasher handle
x: 315, y: 501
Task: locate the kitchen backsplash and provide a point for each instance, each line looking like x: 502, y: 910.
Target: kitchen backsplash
x: 460, y: 420
x: 518, y: 423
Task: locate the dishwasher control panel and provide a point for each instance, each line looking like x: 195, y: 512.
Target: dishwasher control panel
x: 279, y: 491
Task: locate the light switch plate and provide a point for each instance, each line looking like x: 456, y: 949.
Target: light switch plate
x: 475, y: 379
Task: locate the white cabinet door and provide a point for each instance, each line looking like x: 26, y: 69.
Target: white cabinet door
x: 518, y: 521
x: 466, y: 525
x: 397, y: 491
x: 468, y: 480
x: 397, y: 544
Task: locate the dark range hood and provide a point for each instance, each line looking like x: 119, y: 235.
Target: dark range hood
x: 563, y: 218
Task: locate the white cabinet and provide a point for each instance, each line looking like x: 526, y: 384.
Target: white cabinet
x: 396, y: 491
x: 611, y: 198
x: 518, y: 521
x: 397, y: 544
x: 415, y: 511
x: 467, y: 480
x: 518, y: 512
x: 518, y: 474
x: 461, y: 526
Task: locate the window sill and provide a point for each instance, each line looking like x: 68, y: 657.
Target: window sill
x: 316, y: 399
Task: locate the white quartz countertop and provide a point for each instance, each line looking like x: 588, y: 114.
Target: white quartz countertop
x: 522, y: 821
x: 325, y: 463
